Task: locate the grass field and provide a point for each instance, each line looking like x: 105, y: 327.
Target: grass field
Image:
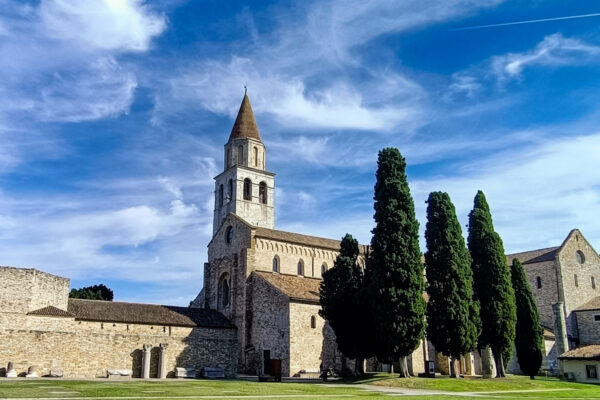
x: 377, y: 386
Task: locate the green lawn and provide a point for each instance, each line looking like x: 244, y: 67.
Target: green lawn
x: 518, y: 387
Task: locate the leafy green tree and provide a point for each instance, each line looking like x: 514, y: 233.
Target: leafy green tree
x: 493, y: 288
x: 96, y: 292
x: 453, y: 324
x: 342, y: 305
x: 529, y: 338
x: 396, y: 277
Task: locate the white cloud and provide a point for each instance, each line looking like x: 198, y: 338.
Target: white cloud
x: 121, y: 25
x: 554, y: 51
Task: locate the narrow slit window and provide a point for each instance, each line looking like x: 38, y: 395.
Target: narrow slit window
x: 262, y: 192
x: 538, y: 282
x: 247, y: 189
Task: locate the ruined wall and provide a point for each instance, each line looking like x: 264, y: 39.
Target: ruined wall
x: 85, y: 349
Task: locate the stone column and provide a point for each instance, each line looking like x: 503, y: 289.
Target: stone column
x: 487, y: 362
x: 560, y: 333
x: 425, y: 349
x: 162, y: 363
x: 146, y: 361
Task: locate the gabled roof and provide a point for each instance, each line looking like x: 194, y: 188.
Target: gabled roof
x: 245, y: 126
x: 591, y: 352
x: 51, y: 311
x: 293, y: 286
x: 534, y: 256
x: 593, y: 304
x: 149, y: 314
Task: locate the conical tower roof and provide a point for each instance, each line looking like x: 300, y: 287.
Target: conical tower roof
x: 245, y: 125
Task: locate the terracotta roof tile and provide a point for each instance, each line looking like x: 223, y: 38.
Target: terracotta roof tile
x: 293, y: 286
x: 150, y: 314
x: 534, y: 256
x: 51, y: 311
x: 591, y: 352
x: 245, y: 125
x: 593, y: 304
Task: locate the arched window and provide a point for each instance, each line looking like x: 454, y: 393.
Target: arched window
x: 538, y: 281
x: 323, y: 268
x: 220, y: 195
x: 240, y: 154
x: 229, y: 190
x: 313, y: 322
x: 228, y: 158
x: 223, y: 292
x: 576, y: 282
x: 275, y: 264
x: 262, y: 192
x: 247, y: 189
x: 229, y: 235
x: 301, y: 268
x: 593, y: 283
x: 255, y: 156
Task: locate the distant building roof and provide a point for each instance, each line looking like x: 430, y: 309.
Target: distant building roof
x: 293, y: 286
x: 591, y: 352
x: 149, y: 314
x: 593, y: 304
x: 51, y: 311
x: 534, y: 256
x: 245, y: 125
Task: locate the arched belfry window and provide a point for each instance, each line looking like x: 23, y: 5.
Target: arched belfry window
x: 255, y: 156
x: 313, y: 322
x: 538, y: 282
x: 301, y: 268
x: 220, y: 195
x: 262, y: 192
x: 229, y: 190
x: 247, y: 189
x: 240, y: 155
x: 276, y: 264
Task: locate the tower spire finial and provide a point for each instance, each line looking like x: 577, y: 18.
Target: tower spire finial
x: 245, y: 89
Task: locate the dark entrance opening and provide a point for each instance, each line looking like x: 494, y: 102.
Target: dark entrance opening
x: 267, y: 362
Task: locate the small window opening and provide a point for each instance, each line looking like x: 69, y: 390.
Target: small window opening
x: 221, y: 195
x: 597, y: 318
x: 593, y: 283
x: 228, y: 158
x: 247, y: 189
x: 240, y: 154
x: 301, y: 268
x: 580, y: 257
x: 229, y: 190
x: 262, y: 192
x: 576, y: 281
x: 225, y: 295
x: 255, y: 156
x: 323, y: 269
x: 538, y: 282
x: 591, y: 371
x: 275, y: 264
x: 313, y: 322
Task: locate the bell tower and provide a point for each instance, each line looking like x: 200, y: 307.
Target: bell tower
x: 245, y: 187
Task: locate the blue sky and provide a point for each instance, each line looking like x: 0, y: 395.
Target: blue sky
x: 113, y: 116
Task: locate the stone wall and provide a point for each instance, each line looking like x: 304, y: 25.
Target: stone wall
x: 580, y: 292
x: 87, y: 349
x: 589, y: 328
x: 547, y: 295
x: 268, y: 327
x: 27, y: 289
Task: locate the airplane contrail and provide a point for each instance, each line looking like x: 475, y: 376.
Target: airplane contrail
x: 531, y: 21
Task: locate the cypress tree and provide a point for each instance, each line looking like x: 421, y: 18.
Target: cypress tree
x: 493, y: 288
x: 396, y: 276
x: 341, y: 303
x: 452, y: 314
x: 529, y: 337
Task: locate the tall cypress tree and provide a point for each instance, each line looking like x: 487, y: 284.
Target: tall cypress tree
x: 341, y: 304
x: 493, y: 288
x: 529, y: 338
x: 396, y: 278
x: 452, y: 313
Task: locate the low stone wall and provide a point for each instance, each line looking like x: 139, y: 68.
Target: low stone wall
x: 87, y: 353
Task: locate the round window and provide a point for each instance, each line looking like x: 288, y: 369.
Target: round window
x: 229, y: 235
x: 580, y: 257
